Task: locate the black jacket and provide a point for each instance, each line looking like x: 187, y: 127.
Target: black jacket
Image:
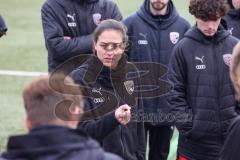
x: 76, y: 19
x: 55, y: 143
x: 233, y: 22
x: 110, y: 89
x: 153, y: 39
x: 203, y: 95
x: 231, y: 146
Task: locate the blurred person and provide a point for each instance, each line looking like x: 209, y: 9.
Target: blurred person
x: 104, y: 77
x: 199, y: 72
x: 3, y: 27
x: 154, y: 30
x: 233, y: 18
x: 231, y: 146
x: 49, y: 136
x: 68, y: 26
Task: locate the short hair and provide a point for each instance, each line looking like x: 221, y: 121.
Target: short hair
x: 40, y: 100
x: 208, y: 9
x: 235, y: 66
x: 110, y: 24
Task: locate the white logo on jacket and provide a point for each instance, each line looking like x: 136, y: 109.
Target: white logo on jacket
x: 144, y: 40
x: 98, y: 99
x: 97, y: 90
x: 200, y: 59
x: 227, y: 59
x: 97, y: 18
x: 201, y: 66
x: 174, y: 37
x: 71, y: 20
x: 129, y: 85
x: 230, y: 30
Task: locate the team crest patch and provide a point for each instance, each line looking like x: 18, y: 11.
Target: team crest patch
x: 129, y: 85
x: 97, y: 18
x: 227, y: 59
x: 174, y: 37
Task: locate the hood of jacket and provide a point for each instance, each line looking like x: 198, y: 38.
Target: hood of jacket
x: 195, y: 34
x: 52, y: 142
x: 161, y: 22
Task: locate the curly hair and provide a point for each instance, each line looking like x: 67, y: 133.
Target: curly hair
x: 208, y: 9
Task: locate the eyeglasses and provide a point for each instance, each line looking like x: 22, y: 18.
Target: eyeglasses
x: 112, y: 46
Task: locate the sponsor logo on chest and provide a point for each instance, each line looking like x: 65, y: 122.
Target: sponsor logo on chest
x: 98, y: 92
x: 143, y: 40
x: 71, y: 21
x: 201, y: 66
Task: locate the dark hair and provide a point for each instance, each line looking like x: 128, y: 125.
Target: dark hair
x: 40, y: 100
x: 208, y: 9
x: 110, y: 24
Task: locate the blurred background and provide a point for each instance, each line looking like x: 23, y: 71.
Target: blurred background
x: 23, y: 49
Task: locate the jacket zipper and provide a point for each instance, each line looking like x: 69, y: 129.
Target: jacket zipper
x: 218, y: 90
x: 121, y: 134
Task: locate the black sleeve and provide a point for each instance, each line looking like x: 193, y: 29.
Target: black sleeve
x: 178, y: 98
x: 101, y: 127
x: 61, y: 48
x: 231, y: 146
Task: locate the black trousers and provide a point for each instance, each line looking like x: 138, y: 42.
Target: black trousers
x: 159, y: 141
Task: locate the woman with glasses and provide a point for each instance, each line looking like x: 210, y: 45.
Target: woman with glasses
x: 112, y: 102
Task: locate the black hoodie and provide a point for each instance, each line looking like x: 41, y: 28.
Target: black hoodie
x: 76, y: 19
x: 153, y: 39
x: 203, y: 92
x: 55, y: 143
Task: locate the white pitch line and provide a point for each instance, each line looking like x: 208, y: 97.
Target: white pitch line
x: 21, y: 73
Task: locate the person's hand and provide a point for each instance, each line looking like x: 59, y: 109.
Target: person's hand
x: 123, y: 114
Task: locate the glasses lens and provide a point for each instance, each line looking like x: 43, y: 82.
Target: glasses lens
x: 112, y: 46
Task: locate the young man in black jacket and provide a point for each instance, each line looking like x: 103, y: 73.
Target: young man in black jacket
x: 49, y: 136
x: 199, y: 72
x: 231, y: 146
x: 154, y: 30
x: 233, y: 18
x: 68, y: 26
